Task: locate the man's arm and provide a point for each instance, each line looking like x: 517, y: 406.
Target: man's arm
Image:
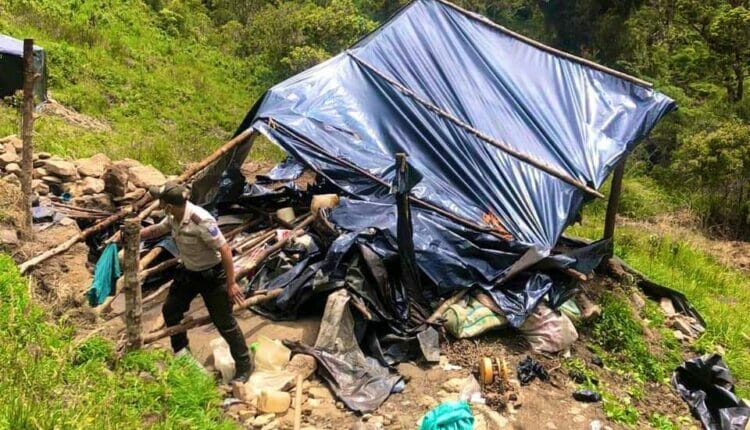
x: 156, y: 230
x: 235, y: 294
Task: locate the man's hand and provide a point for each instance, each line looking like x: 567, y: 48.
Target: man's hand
x: 235, y: 294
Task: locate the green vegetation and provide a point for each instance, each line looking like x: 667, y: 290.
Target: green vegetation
x: 719, y: 293
x: 50, y: 382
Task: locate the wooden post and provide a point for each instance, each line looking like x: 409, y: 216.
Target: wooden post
x: 613, y: 203
x: 27, y: 129
x: 131, y: 233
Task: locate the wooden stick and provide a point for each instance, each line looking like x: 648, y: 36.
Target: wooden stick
x: 132, y: 288
x: 81, y: 209
x: 27, y: 129
x: 103, y: 224
x: 444, y: 306
x: 241, y: 273
x: 196, y: 322
x: 298, y: 403
x: 549, y: 169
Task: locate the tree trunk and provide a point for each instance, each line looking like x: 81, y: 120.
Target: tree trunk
x: 131, y: 233
x: 739, y: 76
x: 26, y: 131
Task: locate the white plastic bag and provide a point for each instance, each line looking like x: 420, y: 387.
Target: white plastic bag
x: 548, y: 331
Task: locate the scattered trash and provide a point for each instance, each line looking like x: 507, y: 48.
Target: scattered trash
x: 223, y: 360
x: 449, y: 416
x: 597, y: 361
x: 548, y: 331
x: 270, y: 358
x: 277, y: 402
x: 587, y: 396
x: 528, y: 369
x: 471, y: 391
x: 105, y: 276
x: 706, y: 384
x: 595, y: 425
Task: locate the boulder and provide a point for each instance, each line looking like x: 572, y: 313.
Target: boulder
x: 131, y: 196
x: 9, y: 157
x: 61, y: 168
x: 13, y: 140
x: 90, y: 185
x: 39, y: 172
x: 8, y: 236
x: 12, y: 179
x: 146, y: 176
x: 116, y: 180
x: 38, y: 186
x: 13, y: 168
x: 52, y: 179
x: 44, y: 155
x: 37, y: 163
x: 128, y: 163
x: 93, y: 166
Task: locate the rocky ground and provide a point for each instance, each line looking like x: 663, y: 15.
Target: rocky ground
x: 100, y: 184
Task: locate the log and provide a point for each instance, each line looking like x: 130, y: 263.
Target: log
x: 27, y: 129
x: 206, y: 319
x: 122, y: 213
x: 132, y: 285
x: 242, y: 272
x: 613, y: 204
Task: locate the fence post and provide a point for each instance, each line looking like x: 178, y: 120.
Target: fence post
x: 131, y: 233
x: 614, y: 203
x: 27, y: 128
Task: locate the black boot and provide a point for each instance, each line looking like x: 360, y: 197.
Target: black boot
x: 243, y: 370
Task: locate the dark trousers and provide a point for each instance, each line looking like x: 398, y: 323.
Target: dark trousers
x: 211, y: 284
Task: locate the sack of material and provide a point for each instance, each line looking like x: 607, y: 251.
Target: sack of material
x: 471, y: 318
x: 549, y: 331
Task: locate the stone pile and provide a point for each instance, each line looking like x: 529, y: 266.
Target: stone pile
x: 95, y: 182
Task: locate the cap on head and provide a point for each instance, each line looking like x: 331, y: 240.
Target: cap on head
x: 171, y: 193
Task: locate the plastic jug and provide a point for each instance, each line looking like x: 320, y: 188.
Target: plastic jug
x: 274, y: 401
x: 223, y: 360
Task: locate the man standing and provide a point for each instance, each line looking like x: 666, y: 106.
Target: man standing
x: 207, y: 269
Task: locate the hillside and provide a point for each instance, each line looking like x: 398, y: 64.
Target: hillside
x: 167, y: 81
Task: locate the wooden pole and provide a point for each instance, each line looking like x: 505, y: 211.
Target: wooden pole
x: 27, y: 129
x: 613, y: 203
x: 131, y: 233
x: 298, y: 403
x: 101, y: 225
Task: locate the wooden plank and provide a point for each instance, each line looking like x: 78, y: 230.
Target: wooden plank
x: 131, y: 232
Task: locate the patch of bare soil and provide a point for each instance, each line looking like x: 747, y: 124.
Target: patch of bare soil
x: 53, y: 108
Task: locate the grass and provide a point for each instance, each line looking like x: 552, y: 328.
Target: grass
x: 721, y: 294
x: 50, y: 382
x: 160, y: 79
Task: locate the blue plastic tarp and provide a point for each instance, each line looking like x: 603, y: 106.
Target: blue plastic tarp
x: 447, y: 87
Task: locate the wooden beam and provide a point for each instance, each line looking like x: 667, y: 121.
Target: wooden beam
x: 614, y: 202
x: 131, y: 233
x: 27, y: 129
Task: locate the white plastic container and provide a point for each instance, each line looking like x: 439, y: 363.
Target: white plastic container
x: 223, y: 360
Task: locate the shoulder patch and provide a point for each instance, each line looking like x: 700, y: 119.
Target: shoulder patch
x: 213, y: 230
x: 194, y: 217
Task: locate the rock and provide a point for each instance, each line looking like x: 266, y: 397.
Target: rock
x: 262, y: 420
x: 13, y: 140
x: 321, y: 393
x: 454, y: 385
x: 116, y: 180
x: 239, y: 391
x: 12, y: 179
x: 61, y: 168
x: 127, y: 163
x: 8, y: 236
x: 65, y: 222
x: 579, y: 419
x: 667, y: 306
x: 428, y: 401
x: 146, y: 176
x: 13, y: 168
x: 313, y: 403
x: 44, y: 155
x: 96, y: 201
x: 52, y: 179
x: 246, y: 414
x: 637, y: 301
x: 131, y: 196
x: 39, y: 172
x: 93, y: 166
x: 9, y: 157
x: 301, y: 365
x: 37, y: 163
x: 273, y: 425
x: 90, y: 185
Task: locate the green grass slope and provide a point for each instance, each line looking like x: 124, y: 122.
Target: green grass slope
x: 48, y: 381
x: 160, y: 79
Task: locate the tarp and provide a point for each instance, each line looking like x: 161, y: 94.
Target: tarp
x: 458, y: 94
x: 11, y: 68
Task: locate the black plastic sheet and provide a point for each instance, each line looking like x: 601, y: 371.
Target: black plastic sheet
x: 706, y: 384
